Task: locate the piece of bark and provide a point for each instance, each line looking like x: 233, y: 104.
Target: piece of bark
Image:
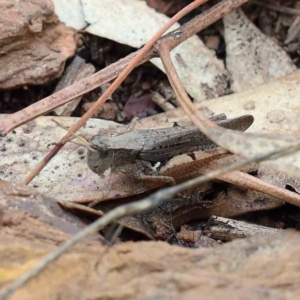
x: 199, y: 204
x: 227, y: 229
x: 76, y: 71
x: 239, y: 270
x: 34, y: 45
x: 194, y: 238
x: 21, y: 198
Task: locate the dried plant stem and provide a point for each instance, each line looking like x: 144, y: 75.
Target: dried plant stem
x: 49, y: 103
x: 187, y: 30
x: 200, y: 22
x: 135, y: 208
x: 204, y: 124
x: 79, y: 88
x: 250, y: 182
x: 279, y: 8
x: 111, y: 89
x: 196, y: 116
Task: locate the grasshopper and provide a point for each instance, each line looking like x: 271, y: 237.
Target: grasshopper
x: 138, y: 152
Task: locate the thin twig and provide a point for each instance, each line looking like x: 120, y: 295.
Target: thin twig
x: 198, y: 118
x: 79, y: 88
x: 199, y: 23
x: 250, y: 182
x: 135, y: 208
x: 111, y: 89
x: 86, y: 85
x: 279, y: 8
x: 159, y: 100
x: 172, y: 39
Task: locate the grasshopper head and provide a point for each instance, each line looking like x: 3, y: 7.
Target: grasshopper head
x: 100, y: 159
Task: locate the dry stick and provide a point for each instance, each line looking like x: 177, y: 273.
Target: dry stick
x: 279, y: 8
x: 250, y: 182
x: 47, y: 104
x: 164, y: 46
x: 200, y: 22
x: 201, y: 121
x: 160, y: 101
x: 135, y: 208
x: 210, y: 129
x: 195, y: 115
x: 111, y: 89
x: 79, y: 88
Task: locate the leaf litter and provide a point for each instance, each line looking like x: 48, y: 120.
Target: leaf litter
x: 135, y: 29
x: 270, y: 117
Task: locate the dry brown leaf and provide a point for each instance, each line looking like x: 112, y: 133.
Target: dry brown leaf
x: 162, y: 221
x: 252, y: 58
x: 135, y: 25
x: 279, y: 179
x: 67, y: 176
x: 274, y: 107
x: 128, y: 222
x: 270, y: 116
x: 252, y: 145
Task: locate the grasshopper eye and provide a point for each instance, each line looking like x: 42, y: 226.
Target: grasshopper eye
x: 98, y: 144
x: 101, y: 147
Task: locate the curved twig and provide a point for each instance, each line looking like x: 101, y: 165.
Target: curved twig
x: 133, y: 63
